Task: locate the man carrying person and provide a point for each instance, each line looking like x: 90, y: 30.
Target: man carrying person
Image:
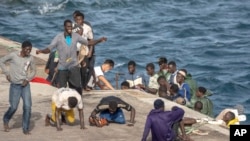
x: 110, y: 108
x: 68, y: 66
x: 65, y: 100
x: 21, y: 62
x: 98, y: 76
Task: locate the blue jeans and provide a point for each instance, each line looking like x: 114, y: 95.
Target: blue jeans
x: 117, y: 117
x: 15, y: 93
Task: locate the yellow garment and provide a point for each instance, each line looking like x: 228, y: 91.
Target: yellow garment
x: 69, y: 114
x: 232, y: 122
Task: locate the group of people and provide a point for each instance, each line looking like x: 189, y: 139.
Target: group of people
x: 71, y: 68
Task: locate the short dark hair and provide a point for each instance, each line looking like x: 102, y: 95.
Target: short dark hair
x: 67, y: 21
x: 125, y: 83
x: 76, y: 11
x: 162, y: 60
x: 174, y: 87
x: 150, y: 65
x: 172, y: 63
x: 231, y: 115
x: 202, y: 90
x: 198, y: 105
x: 131, y: 62
x: 72, y: 101
x: 80, y: 14
x: 26, y: 44
x: 113, y: 105
x: 161, y: 77
x: 158, y: 103
x: 110, y: 62
x: 183, y: 70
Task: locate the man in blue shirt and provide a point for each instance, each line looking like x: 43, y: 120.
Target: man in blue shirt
x: 161, y: 122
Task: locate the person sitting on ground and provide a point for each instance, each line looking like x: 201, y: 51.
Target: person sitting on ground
x: 184, y: 89
x: 163, y: 123
x: 125, y: 85
x: 65, y: 100
x: 193, y: 86
x: 110, y: 108
x: 164, y: 87
x: 133, y: 77
x: 172, y: 68
x: 206, y: 102
x: 153, y: 85
x: 99, y: 78
x: 163, y: 65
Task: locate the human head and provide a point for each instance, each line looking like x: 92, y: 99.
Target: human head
x: 161, y: 80
x: 79, y: 18
x: 112, y: 106
x: 26, y: 48
x: 180, y: 100
x: 150, y: 68
x: 198, y: 106
x: 108, y: 65
x: 67, y: 26
x: 174, y: 89
x: 131, y: 67
x: 228, y: 117
x: 159, y: 104
x: 201, y: 91
x: 180, y: 78
x: 74, y: 14
x: 171, y: 66
x: 72, y: 102
x: 163, y: 62
x: 124, y: 85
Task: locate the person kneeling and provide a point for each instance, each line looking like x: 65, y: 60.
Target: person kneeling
x: 65, y: 100
x: 110, y: 110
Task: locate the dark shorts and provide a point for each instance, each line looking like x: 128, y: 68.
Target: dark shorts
x: 72, y: 77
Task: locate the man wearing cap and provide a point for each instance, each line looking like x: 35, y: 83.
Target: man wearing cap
x: 163, y: 65
x: 110, y: 108
x: 184, y: 89
x: 161, y: 122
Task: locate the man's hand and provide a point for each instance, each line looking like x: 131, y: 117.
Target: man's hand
x: 38, y: 51
x: 103, y: 39
x: 25, y: 82
x: 8, y: 77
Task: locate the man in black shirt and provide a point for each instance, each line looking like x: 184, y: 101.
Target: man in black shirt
x: 110, y: 109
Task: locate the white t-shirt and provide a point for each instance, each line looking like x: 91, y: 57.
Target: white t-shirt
x: 60, y: 98
x: 98, y: 72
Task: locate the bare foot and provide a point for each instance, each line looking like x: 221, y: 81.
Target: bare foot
x: 6, y: 127
x: 47, y: 120
x: 26, y: 132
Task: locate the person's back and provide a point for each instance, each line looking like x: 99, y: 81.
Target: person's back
x: 160, y: 122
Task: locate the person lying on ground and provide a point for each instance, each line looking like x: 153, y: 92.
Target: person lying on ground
x: 110, y: 108
x: 64, y: 100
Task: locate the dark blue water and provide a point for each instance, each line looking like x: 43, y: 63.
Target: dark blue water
x: 209, y: 38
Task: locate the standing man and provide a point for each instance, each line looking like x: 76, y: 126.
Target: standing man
x: 19, y: 77
x: 88, y: 35
x: 68, y: 66
x: 161, y: 123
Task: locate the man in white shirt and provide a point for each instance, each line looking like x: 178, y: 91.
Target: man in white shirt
x: 98, y: 76
x: 65, y: 100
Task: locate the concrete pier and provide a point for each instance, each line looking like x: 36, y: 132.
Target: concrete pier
x: 41, y: 96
